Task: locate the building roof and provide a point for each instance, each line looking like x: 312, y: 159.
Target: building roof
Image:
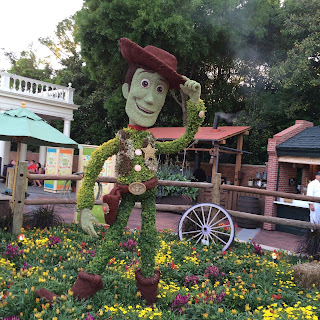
x: 203, y: 134
x: 304, y: 144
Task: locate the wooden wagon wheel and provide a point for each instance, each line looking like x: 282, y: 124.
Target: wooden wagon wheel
x: 207, y: 223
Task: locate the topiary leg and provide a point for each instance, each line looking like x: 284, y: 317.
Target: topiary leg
x: 148, y: 240
x: 113, y: 236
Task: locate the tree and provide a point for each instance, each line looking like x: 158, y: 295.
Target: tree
x: 196, y: 32
x: 91, y: 123
x: 297, y: 76
x: 28, y: 65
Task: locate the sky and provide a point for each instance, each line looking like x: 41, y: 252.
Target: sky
x: 22, y: 22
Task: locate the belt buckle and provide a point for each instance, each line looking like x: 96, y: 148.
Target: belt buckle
x: 137, y: 188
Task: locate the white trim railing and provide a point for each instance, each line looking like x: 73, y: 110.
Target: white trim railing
x: 36, y: 88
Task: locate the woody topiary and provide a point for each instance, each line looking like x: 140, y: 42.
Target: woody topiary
x: 152, y: 72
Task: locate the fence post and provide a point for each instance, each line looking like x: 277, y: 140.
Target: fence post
x: 19, y: 196
x: 216, y: 189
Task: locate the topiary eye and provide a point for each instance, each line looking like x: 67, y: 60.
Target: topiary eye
x: 160, y: 89
x: 145, y: 83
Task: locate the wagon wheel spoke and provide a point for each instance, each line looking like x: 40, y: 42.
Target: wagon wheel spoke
x: 194, y: 221
x: 216, y: 222
x: 218, y: 227
x: 196, y: 214
x: 210, y: 223
x: 221, y: 240
x: 192, y: 231
x: 212, y: 239
x: 196, y: 235
x: 209, y: 214
x: 203, y: 218
x: 225, y: 233
x: 200, y: 238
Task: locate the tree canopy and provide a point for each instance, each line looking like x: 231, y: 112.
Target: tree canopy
x: 257, y: 61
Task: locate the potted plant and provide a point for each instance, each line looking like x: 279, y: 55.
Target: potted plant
x: 172, y: 194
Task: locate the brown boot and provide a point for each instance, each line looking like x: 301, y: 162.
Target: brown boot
x: 47, y: 295
x: 148, y: 287
x: 87, y: 285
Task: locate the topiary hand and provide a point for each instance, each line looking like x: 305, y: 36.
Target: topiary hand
x: 192, y: 89
x: 86, y: 219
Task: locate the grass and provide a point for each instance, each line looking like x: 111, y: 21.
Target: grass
x: 197, y: 281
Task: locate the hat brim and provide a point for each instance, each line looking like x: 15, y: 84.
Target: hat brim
x: 133, y: 53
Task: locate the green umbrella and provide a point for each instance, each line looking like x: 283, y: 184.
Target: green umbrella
x: 24, y: 126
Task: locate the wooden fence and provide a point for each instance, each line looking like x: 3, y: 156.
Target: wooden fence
x: 215, y: 188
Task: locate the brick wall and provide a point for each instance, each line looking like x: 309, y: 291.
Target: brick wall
x: 286, y: 170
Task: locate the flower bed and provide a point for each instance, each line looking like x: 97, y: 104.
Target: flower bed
x: 197, y: 281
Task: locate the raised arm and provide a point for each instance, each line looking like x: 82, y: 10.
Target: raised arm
x: 195, y: 110
x: 86, y: 193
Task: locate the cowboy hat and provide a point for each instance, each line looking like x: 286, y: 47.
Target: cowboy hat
x: 153, y: 58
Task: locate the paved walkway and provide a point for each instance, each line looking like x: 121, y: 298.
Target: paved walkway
x: 169, y: 220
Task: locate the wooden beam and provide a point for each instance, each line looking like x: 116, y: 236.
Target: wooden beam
x: 216, y: 188
x: 302, y: 160
x: 200, y: 149
x: 212, y: 149
x: 270, y: 193
x: 19, y: 196
x: 275, y: 220
x: 238, y: 160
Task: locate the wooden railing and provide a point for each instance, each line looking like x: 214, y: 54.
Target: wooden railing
x: 22, y: 174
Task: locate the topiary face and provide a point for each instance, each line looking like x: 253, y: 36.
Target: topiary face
x: 145, y: 98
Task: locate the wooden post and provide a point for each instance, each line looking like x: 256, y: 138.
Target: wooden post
x: 238, y: 160
x: 19, y: 196
x: 216, y: 189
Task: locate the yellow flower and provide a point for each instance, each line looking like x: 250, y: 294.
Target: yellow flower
x: 233, y: 311
x: 205, y: 315
x: 220, y: 310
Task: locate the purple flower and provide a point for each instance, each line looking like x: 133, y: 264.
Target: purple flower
x: 191, y: 280
x: 179, y: 302
x: 213, y: 272
x: 129, y: 245
x: 26, y: 265
x: 11, y: 318
x: 89, y: 317
x: 13, y: 251
x: 54, y: 241
x: 257, y: 249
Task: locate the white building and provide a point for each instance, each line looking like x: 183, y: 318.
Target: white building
x: 47, y: 100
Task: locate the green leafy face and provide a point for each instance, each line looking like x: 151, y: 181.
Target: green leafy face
x: 145, y: 98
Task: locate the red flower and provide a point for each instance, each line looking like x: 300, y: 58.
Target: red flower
x: 278, y: 296
x: 83, y: 244
x: 60, y: 258
x: 173, y: 266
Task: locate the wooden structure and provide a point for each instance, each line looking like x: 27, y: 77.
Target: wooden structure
x: 22, y: 176
x: 216, y: 138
